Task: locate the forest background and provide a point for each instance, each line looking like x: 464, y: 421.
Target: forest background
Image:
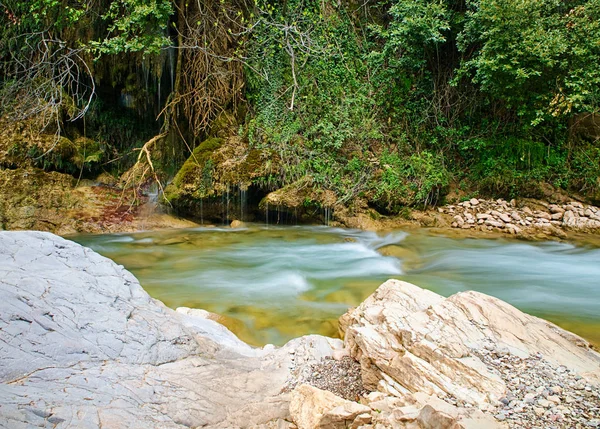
x: 388, y: 104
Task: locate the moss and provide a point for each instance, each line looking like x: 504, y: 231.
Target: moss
x: 192, y: 173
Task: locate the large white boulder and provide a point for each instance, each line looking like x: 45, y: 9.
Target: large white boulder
x: 83, y: 345
x: 409, y: 340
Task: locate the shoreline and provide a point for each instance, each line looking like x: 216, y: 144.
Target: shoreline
x: 414, y: 358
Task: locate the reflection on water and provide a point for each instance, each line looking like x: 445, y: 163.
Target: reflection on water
x: 276, y: 283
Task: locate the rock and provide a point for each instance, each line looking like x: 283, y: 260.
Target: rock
x: 494, y: 223
x: 425, y: 343
x: 543, y: 215
x: 237, y: 224
x: 505, y: 218
x: 83, y: 343
x: 516, y: 216
x: 556, y: 389
x: 312, y: 408
x: 554, y: 399
x: 459, y: 220
x: 474, y: 201
x: 513, y: 229
x: 483, y: 216
x: 432, y: 418
x: 557, y: 216
x: 527, y: 211
x: 555, y: 209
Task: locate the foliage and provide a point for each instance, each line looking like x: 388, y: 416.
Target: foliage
x: 135, y: 26
x: 417, y: 179
x: 389, y: 102
x: 540, y: 57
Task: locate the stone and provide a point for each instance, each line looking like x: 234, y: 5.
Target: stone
x: 426, y: 343
x: 513, y: 229
x: 554, y: 399
x: 505, y: 218
x: 432, y: 418
x: 312, y: 408
x: 494, y: 223
x: 474, y: 201
x: 237, y: 224
x: 543, y: 215
x: 361, y: 420
x: 557, y: 216
x: 459, y: 220
x: 483, y: 216
x: 544, y: 403
x: 83, y: 343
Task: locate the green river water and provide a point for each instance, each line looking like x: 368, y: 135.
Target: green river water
x: 273, y: 283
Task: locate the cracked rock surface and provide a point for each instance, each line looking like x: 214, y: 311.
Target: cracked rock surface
x: 83, y: 345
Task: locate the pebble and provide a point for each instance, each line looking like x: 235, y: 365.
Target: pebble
x: 487, y: 215
x: 541, y: 395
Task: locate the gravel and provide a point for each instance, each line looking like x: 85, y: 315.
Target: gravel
x: 342, y: 377
x: 542, y: 395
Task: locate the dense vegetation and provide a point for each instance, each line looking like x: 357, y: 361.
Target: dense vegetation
x: 392, y: 103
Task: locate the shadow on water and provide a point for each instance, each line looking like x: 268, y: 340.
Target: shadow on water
x: 275, y: 283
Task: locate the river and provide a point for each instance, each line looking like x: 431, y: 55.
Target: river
x: 274, y: 283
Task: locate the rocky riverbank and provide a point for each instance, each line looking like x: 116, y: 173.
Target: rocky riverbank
x: 525, y: 218
x: 85, y: 346
x: 32, y: 199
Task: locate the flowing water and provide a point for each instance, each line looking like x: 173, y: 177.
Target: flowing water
x: 274, y: 283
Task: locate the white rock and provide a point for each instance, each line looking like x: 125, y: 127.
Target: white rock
x: 505, y: 218
x: 425, y: 342
x: 312, y: 408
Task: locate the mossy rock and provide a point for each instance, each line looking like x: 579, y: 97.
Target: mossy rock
x: 194, y: 179
x: 190, y: 176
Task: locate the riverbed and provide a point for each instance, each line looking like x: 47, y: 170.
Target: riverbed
x: 274, y: 283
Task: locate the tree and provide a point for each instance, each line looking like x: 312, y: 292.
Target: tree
x: 539, y: 56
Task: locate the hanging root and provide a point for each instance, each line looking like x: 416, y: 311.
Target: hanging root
x: 142, y: 170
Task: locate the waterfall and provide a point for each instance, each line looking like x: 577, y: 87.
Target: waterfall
x: 243, y: 201
x: 227, y: 206
x: 267, y: 213
x: 201, y: 212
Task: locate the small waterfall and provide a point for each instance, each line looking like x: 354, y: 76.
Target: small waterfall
x: 172, y: 67
x: 327, y: 215
x: 223, y: 207
x: 159, y: 91
x: 201, y: 211
x: 227, y: 206
x: 267, y: 214
x: 243, y: 201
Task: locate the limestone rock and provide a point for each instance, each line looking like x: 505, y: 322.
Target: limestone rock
x: 411, y: 340
x: 85, y: 346
x: 237, y: 224
x: 313, y: 408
